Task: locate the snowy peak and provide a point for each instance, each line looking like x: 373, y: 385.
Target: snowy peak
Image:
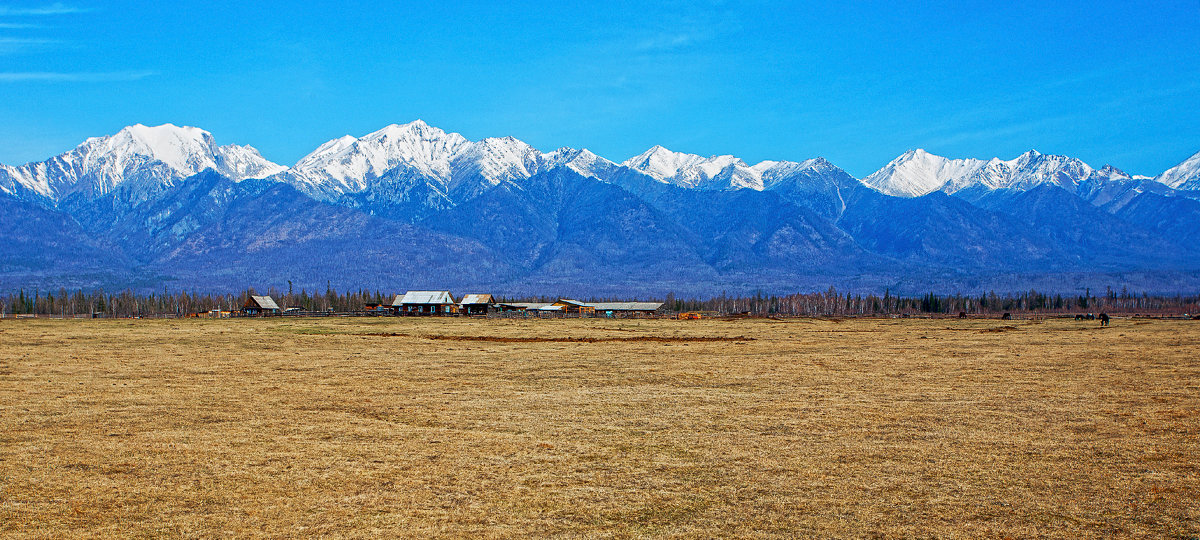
x: 1108, y: 173
x: 917, y: 172
x: 494, y: 160
x: 694, y: 171
x: 1033, y: 169
x: 582, y: 161
x: 662, y: 164
x: 240, y: 162
x: 143, y: 157
x: 447, y: 162
x: 774, y: 172
x: 184, y: 149
x: 348, y: 163
x: 181, y: 148
x: 1186, y: 175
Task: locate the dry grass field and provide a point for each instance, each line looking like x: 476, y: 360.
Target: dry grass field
x: 498, y: 428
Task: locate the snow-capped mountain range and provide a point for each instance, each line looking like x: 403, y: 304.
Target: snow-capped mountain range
x: 158, y: 196
x: 148, y: 156
x: 917, y: 173
x: 448, y: 162
x: 160, y: 155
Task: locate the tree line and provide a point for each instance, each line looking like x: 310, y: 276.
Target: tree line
x: 80, y: 303
x: 127, y: 303
x: 832, y: 303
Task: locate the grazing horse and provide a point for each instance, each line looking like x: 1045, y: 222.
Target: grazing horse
x: 1103, y: 319
x: 1079, y: 316
x: 1006, y: 317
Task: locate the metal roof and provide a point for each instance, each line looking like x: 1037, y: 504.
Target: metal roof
x: 613, y: 306
x: 626, y: 306
x: 476, y: 299
x: 426, y: 297
x: 264, y: 302
x: 527, y: 305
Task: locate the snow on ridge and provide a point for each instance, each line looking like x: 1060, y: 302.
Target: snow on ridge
x: 144, y: 157
x: 917, y: 172
x: 1186, y: 175
x: 448, y: 161
x: 583, y: 161
x: 151, y: 156
x: 721, y: 172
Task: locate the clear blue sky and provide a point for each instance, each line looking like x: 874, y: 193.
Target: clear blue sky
x: 1107, y: 82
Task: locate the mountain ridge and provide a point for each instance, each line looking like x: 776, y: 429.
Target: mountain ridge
x: 412, y: 203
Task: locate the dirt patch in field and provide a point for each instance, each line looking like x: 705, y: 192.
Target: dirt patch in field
x: 663, y: 339
x: 998, y: 329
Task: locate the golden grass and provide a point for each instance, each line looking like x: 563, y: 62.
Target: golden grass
x: 291, y: 427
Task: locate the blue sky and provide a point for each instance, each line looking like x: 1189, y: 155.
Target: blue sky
x: 1107, y: 82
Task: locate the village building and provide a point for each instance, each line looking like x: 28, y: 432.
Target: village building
x: 574, y: 306
x: 475, y: 304
x: 521, y: 306
x: 425, y: 303
x: 608, y: 309
x: 567, y: 306
x: 612, y: 309
x: 261, y: 306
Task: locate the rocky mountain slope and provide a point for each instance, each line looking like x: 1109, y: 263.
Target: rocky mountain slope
x: 413, y: 206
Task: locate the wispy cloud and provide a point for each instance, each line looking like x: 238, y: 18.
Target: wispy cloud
x: 668, y: 41
x: 16, y: 45
x: 53, y: 76
x: 56, y: 8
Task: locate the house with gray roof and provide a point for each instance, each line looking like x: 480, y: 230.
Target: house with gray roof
x: 261, y: 305
x: 425, y: 303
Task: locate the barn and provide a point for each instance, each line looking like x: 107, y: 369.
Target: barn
x: 475, y: 304
x: 575, y: 306
x: 614, y: 309
x: 261, y: 305
x: 608, y: 309
x: 425, y: 303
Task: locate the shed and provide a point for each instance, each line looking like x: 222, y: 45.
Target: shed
x: 574, y: 306
x: 425, y: 303
x: 260, y: 305
x: 521, y: 306
x: 475, y: 304
x: 626, y: 308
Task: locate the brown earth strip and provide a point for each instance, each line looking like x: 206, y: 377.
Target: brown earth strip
x: 501, y: 339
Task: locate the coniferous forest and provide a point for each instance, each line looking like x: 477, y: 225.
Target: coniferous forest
x: 830, y: 303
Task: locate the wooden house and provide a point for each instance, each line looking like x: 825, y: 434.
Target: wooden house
x: 574, y: 306
x: 475, y: 304
x: 425, y: 303
x: 261, y: 305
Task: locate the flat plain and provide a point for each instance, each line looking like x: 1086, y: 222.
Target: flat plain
x: 599, y: 428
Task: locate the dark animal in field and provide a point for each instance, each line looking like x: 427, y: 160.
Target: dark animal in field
x: 1103, y: 319
x: 1091, y: 317
x: 1006, y: 317
x: 962, y: 314
x: 1078, y: 316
